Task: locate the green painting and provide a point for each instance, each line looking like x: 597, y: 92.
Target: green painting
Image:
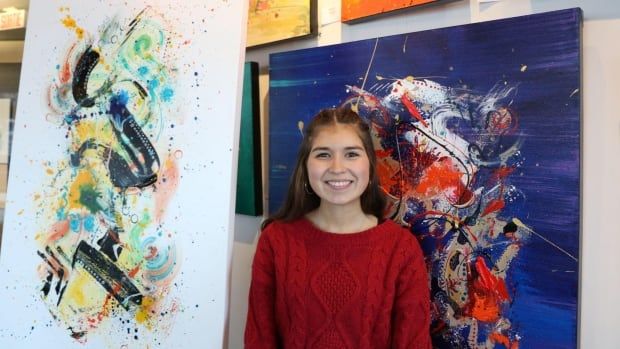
x: 249, y: 183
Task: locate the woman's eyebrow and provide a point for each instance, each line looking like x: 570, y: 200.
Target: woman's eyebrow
x: 320, y: 149
x: 352, y: 147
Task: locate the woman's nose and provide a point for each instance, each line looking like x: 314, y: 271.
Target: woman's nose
x: 337, y: 164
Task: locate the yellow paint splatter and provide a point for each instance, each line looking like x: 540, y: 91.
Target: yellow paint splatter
x: 75, y: 292
x: 70, y: 23
x: 143, y: 313
x: 83, y: 178
x: 86, y: 130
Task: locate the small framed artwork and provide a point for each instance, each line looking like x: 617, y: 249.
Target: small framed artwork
x: 276, y: 20
x: 353, y: 10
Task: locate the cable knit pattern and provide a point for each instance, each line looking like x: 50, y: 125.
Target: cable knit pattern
x: 313, y: 289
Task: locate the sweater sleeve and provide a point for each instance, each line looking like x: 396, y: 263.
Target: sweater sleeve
x: 411, y: 312
x: 260, y: 328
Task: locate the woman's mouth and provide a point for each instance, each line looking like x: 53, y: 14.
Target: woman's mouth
x: 340, y: 184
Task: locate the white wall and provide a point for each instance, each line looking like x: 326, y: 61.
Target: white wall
x: 600, y: 262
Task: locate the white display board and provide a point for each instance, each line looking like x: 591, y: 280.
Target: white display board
x: 119, y: 208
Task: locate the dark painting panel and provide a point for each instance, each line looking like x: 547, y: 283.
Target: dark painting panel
x: 249, y: 183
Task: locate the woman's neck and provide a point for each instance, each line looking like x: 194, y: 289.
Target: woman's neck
x: 341, y: 220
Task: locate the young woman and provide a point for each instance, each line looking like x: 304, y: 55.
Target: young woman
x: 329, y: 271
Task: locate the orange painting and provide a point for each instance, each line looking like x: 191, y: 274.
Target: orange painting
x: 356, y: 9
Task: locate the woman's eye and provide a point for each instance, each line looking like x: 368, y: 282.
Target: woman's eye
x: 322, y: 155
x: 352, y: 154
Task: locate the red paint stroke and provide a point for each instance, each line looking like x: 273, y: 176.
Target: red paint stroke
x: 58, y: 230
x: 504, y: 340
x: 386, y: 171
x: 381, y: 153
x: 134, y: 271
x: 413, y: 109
x: 64, y: 74
x: 501, y: 173
x: 493, y: 206
x: 502, y: 121
x: 487, y: 292
x: 444, y: 177
x: 166, y: 186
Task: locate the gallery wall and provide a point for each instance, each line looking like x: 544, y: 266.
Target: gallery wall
x: 600, y: 141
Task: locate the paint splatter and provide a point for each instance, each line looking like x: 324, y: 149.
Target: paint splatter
x: 106, y: 251
x: 445, y: 157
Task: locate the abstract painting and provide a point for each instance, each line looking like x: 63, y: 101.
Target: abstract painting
x: 357, y: 9
x: 249, y: 174
x: 275, y: 20
x: 477, y: 135
x: 119, y: 209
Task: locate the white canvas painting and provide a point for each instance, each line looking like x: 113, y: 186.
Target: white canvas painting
x: 118, y: 227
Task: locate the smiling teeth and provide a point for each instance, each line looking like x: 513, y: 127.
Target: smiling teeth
x: 338, y: 184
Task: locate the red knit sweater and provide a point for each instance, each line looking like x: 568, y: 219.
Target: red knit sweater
x: 313, y: 289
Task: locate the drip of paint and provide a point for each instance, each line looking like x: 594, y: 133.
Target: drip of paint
x: 300, y: 127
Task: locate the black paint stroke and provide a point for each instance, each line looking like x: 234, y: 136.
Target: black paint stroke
x: 83, y: 68
x: 107, y: 274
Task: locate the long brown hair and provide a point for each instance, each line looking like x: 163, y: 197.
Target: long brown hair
x: 299, y: 198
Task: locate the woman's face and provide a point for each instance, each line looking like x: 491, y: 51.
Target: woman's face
x: 338, y: 166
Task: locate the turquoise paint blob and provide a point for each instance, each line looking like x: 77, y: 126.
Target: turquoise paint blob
x: 89, y: 223
x: 142, y: 44
x: 74, y: 223
x: 61, y: 214
x: 161, y: 265
x: 143, y: 71
x: 166, y: 94
x: 153, y: 84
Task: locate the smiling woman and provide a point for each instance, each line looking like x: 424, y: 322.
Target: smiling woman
x: 338, y: 168
x: 329, y: 270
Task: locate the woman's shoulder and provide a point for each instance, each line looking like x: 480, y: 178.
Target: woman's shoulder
x: 279, y: 229
x: 402, y: 237
x: 278, y: 225
x: 395, y: 229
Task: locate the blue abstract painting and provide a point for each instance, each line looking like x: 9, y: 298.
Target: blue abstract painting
x: 477, y: 135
